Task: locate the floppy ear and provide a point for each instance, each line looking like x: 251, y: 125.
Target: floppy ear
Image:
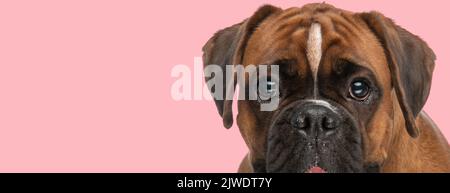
x: 226, y: 48
x: 411, y: 63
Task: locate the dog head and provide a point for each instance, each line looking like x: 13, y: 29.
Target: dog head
x: 344, y: 80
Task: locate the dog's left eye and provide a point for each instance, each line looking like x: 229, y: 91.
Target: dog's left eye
x: 359, y: 90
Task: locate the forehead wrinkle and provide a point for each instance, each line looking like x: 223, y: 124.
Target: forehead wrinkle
x: 330, y: 36
x: 345, y: 23
x: 290, y: 13
x: 291, y: 25
x: 283, y: 46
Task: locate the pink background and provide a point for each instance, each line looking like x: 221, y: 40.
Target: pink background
x: 85, y: 85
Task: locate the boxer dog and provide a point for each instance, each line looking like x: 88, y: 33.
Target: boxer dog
x: 351, y: 91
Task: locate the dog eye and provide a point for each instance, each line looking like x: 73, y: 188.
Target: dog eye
x: 267, y: 89
x: 359, y: 90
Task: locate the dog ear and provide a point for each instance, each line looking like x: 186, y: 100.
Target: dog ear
x: 411, y: 64
x: 226, y: 48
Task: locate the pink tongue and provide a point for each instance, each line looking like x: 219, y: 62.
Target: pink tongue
x: 316, y: 169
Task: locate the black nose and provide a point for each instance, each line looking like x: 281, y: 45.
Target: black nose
x: 316, y: 120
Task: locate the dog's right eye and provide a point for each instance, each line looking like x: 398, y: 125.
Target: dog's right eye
x: 267, y: 89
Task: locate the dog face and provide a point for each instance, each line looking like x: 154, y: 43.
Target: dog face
x: 344, y: 78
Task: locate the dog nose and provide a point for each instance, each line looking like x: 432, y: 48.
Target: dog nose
x: 317, y: 120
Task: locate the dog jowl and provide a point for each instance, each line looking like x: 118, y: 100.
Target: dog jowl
x: 350, y: 88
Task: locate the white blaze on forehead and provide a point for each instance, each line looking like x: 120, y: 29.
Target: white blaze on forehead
x: 314, y: 51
